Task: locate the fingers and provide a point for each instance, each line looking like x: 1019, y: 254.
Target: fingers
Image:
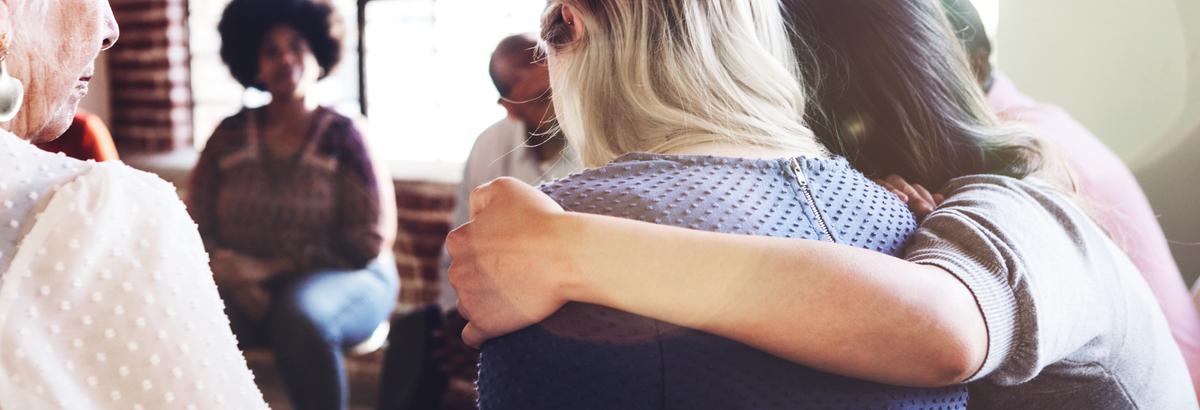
x: 925, y: 195
x: 892, y: 189
x: 903, y: 186
x: 927, y: 204
x: 919, y: 200
x: 253, y: 304
x: 462, y: 310
x: 457, y: 245
x: 472, y: 336
x: 484, y: 195
x: 480, y: 198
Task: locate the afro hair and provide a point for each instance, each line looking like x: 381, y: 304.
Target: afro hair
x: 245, y: 24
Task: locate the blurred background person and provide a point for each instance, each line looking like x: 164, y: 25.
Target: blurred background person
x: 1106, y: 186
x: 297, y: 215
x: 87, y: 139
x: 526, y: 145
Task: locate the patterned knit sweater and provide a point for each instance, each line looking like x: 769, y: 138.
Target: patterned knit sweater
x: 328, y: 207
x: 591, y: 357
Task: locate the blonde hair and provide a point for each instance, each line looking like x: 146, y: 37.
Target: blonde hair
x: 654, y: 76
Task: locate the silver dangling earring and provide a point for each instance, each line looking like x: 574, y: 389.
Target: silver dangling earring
x: 12, y: 92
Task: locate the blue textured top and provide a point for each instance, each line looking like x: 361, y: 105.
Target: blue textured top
x: 592, y: 357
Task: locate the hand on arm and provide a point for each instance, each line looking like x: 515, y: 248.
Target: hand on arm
x: 836, y: 308
x: 919, y: 200
x: 231, y: 268
x: 253, y: 300
x: 506, y: 267
x: 243, y: 278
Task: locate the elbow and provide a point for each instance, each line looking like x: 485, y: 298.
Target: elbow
x: 954, y: 332
x: 956, y: 363
x: 960, y: 347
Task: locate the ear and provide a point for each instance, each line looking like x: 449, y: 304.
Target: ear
x: 6, y: 20
x: 574, y: 21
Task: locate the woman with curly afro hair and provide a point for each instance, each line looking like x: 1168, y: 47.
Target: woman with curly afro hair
x: 296, y: 215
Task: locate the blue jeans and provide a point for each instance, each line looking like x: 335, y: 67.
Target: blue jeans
x: 313, y: 318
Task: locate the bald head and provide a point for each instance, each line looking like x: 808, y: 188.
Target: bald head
x: 512, y: 58
x: 968, y: 26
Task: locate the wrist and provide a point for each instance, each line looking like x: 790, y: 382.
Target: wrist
x: 280, y: 264
x: 567, y: 241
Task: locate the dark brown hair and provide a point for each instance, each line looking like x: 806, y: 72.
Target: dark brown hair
x: 245, y: 23
x: 892, y: 91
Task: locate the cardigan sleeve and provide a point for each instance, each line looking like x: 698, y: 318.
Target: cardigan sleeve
x: 1033, y: 262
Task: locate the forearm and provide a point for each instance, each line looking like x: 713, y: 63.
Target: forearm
x: 255, y: 270
x: 839, y: 309
x: 361, y: 229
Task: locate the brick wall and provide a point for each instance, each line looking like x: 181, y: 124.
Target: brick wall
x: 151, y: 97
x: 424, y: 210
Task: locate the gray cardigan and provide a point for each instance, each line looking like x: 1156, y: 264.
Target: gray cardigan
x: 1071, y: 323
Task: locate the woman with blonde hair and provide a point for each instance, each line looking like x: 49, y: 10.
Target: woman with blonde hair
x: 1008, y: 286
x: 106, y: 299
x: 691, y: 112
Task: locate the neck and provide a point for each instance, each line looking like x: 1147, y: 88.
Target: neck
x: 6, y: 128
x: 291, y: 105
x: 20, y: 128
x: 547, y: 147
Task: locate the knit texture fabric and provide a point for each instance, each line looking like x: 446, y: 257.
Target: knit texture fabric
x: 591, y: 357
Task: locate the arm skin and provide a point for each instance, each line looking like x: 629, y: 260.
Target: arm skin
x: 835, y: 308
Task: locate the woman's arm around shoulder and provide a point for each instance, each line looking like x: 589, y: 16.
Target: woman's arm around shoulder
x: 833, y: 307
x: 1038, y: 267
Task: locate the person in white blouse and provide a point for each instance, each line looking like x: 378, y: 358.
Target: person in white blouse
x: 106, y: 297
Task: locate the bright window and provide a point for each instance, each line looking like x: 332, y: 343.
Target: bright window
x: 989, y: 11
x: 428, y: 93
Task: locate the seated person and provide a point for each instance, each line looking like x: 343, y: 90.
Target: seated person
x: 524, y: 145
x: 297, y: 215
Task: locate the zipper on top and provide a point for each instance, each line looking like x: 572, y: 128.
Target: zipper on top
x: 802, y: 179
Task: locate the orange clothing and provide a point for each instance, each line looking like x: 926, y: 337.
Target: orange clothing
x: 87, y: 138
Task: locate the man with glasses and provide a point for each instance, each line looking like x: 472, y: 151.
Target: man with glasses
x: 436, y: 371
x: 525, y: 145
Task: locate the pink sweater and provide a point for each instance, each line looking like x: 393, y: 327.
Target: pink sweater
x: 1119, y: 206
